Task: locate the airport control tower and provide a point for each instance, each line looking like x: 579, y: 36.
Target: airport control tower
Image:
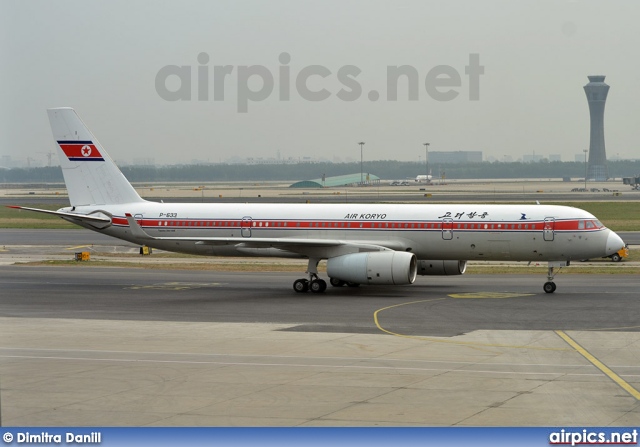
x: 596, y: 91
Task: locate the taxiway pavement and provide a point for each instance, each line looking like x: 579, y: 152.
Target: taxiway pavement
x: 125, y: 346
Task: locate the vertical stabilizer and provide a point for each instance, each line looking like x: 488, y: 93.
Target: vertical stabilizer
x: 91, y: 176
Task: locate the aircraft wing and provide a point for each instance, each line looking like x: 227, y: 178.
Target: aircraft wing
x: 307, y: 247
x: 97, y: 220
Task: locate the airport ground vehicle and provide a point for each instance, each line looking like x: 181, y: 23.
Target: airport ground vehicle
x: 620, y: 254
x: 617, y: 256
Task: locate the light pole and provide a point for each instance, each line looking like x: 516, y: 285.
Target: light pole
x: 426, y: 161
x: 361, y: 171
x: 585, y: 168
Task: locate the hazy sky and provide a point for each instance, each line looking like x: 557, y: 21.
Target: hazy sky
x: 104, y: 59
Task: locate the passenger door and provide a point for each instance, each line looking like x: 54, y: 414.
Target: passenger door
x: 447, y: 229
x: 548, y: 232
x: 245, y: 226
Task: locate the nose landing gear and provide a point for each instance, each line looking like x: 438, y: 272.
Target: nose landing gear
x: 550, y: 286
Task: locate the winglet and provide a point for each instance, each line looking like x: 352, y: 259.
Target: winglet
x: 136, y: 230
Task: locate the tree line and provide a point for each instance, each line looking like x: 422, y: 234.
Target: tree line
x: 385, y: 169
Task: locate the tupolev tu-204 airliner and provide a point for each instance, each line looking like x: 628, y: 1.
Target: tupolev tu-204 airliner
x: 381, y: 244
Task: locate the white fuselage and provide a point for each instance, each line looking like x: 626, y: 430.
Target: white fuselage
x: 446, y: 232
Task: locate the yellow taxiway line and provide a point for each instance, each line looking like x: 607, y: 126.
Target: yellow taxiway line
x: 601, y: 366
x: 471, y: 344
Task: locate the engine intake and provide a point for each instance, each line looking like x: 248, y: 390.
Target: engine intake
x: 382, y: 267
x: 441, y: 268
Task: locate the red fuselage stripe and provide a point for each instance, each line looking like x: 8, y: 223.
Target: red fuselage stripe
x: 219, y: 224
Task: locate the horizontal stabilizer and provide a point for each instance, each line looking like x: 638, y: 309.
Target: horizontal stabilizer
x: 98, y: 221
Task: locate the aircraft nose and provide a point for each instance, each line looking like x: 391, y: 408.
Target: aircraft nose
x: 614, y: 243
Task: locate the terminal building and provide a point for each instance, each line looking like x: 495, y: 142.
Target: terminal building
x: 340, y: 180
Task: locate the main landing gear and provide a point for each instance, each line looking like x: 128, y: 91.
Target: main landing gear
x: 314, y: 283
x: 550, y: 286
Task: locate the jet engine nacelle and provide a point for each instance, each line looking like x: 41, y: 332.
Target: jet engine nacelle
x: 441, y: 267
x: 381, y: 267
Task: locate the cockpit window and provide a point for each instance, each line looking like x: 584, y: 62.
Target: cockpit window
x: 581, y: 225
x: 590, y: 224
x: 599, y: 224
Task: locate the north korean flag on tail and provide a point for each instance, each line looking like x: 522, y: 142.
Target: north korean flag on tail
x: 80, y: 150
